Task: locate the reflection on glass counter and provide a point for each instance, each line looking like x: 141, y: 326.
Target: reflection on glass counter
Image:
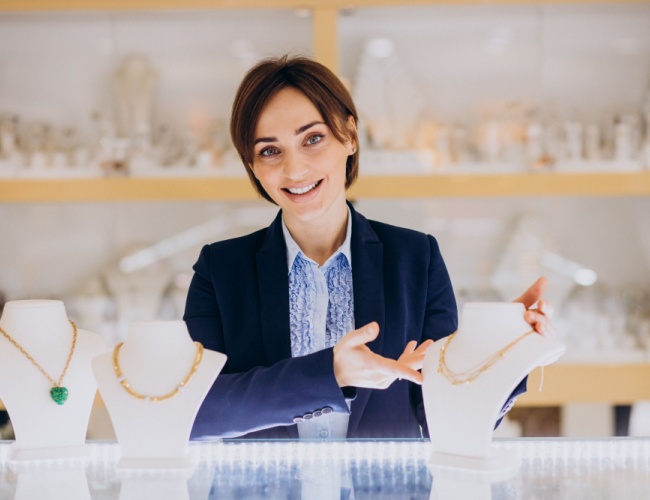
x: 564, y: 469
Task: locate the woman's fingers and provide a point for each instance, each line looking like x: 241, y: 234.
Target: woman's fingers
x: 402, y: 371
x: 540, y: 323
x: 414, y: 358
x: 408, y: 350
x: 546, y: 308
x: 360, y: 336
x: 425, y: 345
x: 356, y: 365
x: 534, y: 293
x: 540, y: 318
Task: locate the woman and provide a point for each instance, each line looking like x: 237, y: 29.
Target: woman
x: 325, y: 316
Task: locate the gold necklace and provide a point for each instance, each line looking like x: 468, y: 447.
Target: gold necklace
x: 468, y: 376
x: 58, y: 393
x: 127, y: 387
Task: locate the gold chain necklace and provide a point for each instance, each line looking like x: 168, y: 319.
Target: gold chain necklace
x: 127, y: 387
x: 58, y: 393
x: 468, y: 376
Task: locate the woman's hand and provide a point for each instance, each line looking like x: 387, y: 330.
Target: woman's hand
x: 539, y: 318
x: 356, y: 365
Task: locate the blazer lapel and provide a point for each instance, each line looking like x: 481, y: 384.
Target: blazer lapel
x: 368, y: 283
x: 273, y: 284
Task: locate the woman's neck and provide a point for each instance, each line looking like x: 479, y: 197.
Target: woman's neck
x: 319, y: 239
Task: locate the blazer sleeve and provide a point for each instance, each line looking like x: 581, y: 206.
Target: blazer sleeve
x: 264, y: 396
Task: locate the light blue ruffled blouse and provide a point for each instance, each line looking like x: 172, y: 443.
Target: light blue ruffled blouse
x: 321, y: 309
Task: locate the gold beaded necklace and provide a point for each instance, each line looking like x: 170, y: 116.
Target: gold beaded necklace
x: 468, y: 376
x: 58, y: 393
x: 127, y: 387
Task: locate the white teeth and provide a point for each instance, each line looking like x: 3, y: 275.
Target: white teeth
x: 302, y: 190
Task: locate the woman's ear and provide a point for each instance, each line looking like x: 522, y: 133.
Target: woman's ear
x: 351, y: 125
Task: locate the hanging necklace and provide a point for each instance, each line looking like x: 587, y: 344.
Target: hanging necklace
x: 468, y: 376
x: 127, y: 387
x: 58, y: 393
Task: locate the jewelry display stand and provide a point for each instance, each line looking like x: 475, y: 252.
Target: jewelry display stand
x: 461, y: 417
x: 156, y: 357
x: 44, y: 429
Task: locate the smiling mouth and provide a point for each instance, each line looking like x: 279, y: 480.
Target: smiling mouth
x: 303, y: 190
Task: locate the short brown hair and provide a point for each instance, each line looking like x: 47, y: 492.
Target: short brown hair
x: 319, y: 84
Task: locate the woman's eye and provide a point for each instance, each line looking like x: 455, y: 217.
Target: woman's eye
x: 313, y: 139
x: 266, y: 152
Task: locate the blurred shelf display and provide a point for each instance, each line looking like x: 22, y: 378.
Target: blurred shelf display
x: 144, y: 111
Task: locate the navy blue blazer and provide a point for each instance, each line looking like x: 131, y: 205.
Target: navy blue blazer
x: 238, y: 304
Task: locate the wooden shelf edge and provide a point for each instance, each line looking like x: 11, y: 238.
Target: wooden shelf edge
x: 491, y: 185
x: 126, y: 189
x: 368, y: 186
x: 616, y: 384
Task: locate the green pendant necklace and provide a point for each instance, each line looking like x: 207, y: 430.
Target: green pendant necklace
x: 58, y: 393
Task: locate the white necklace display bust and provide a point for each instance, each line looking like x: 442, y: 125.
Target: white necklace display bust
x: 461, y: 418
x: 155, y: 358
x: 43, y: 428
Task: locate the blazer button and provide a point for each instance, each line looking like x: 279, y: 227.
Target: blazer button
x: 297, y: 420
x: 307, y: 416
x: 318, y: 413
x: 326, y: 410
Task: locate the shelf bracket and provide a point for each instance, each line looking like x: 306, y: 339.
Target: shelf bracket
x: 325, y: 32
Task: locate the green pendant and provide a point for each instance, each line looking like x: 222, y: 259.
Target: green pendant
x: 59, y: 395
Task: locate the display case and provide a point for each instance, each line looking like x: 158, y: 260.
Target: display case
x: 614, y: 468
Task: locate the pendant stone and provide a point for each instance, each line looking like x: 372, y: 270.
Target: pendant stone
x: 59, y: 395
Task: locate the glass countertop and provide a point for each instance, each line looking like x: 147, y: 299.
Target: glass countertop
x: 373, y: 469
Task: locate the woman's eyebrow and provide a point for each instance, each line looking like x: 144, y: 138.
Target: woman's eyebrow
x: 308, y: 126
x: 298, y: 131
x: 264, y: 139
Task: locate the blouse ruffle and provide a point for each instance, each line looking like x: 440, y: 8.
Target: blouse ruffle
x: 302, y: 298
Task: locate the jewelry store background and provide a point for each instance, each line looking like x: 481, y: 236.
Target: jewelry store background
x: 536, y: 117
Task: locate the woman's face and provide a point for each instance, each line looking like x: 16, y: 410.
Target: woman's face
x: 297, y: 159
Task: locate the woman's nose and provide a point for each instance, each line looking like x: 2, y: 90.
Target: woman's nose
x: 295, y: 167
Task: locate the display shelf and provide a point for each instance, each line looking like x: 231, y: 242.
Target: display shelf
x: 368, y: 186
x: 494, y: 185
x: 126, y: 189
x: 616, y: 384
